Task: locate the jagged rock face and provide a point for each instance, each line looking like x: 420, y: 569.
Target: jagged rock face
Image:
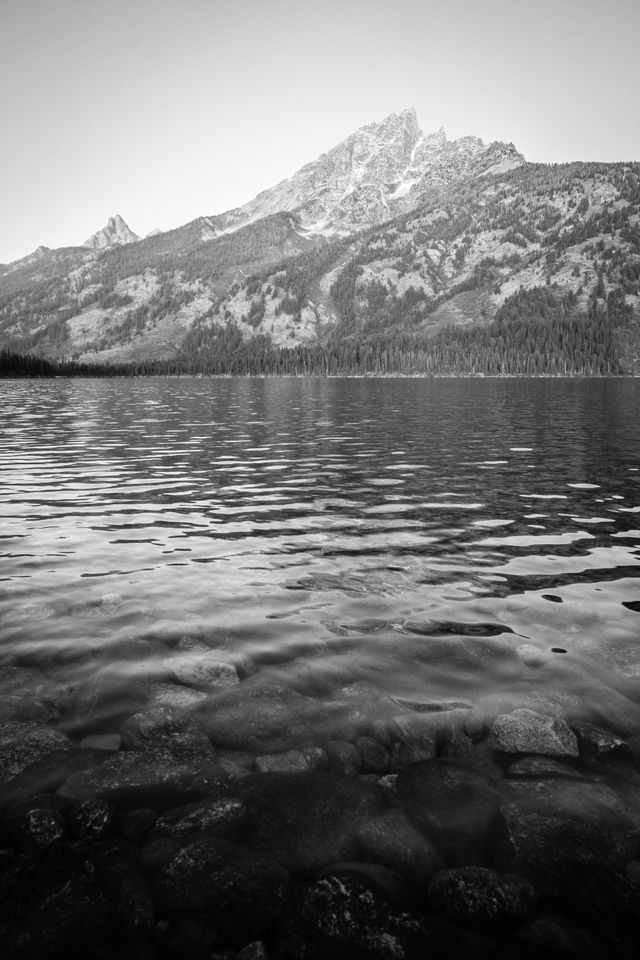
x: 115, y: 234
x: 380, y: 170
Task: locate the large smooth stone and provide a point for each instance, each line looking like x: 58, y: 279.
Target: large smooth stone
x: 23, y: 743
x: 457, y: 808
x: 556, y: 826
x: 392, y: 840
x: 162, y: 728
x: 347, y: 919
x: 524, y: 731
x: 479, y: 897
x: 225, y: 886
x: 131, y: 778
x: 308, y: 821
x: 487, y: 708
x: 259, y: 716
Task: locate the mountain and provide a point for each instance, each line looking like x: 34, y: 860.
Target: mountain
x: 381, y: 169
x: 115, y: 234
x: 394, y: 251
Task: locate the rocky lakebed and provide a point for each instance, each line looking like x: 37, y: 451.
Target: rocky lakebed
x: 212, y: 807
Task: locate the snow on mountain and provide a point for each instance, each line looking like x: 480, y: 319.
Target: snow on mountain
x: 115, y: 234
x: 378, y: 171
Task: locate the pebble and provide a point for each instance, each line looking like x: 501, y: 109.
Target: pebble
x: 108, y: 742
x: 90, y: 819
x: 293, y: 761
x: 43, y: 827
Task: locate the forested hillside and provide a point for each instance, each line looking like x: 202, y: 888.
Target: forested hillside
x: 532, y: 271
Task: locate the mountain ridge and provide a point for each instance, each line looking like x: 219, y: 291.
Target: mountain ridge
x: 418, y: 237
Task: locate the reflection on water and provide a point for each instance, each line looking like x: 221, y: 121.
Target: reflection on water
x: 405, y: 533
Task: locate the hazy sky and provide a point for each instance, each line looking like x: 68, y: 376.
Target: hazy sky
x: 163, y: 110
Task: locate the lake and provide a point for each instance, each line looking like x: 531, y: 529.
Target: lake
x: 253, y: 569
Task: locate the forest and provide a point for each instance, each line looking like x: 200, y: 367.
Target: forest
x: 537, y: 332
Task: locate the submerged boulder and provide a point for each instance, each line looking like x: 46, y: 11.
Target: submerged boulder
x: 227, y: 887
x: 131, y: 778
x: 307, y: 821
x: 210, y: 668
x: 557, y: 826
x: 259, y: 716
x: 479, y: 897
x: 344, y: 918
x: 457, y: 808
x: 23, y: 743
x: 524, y: 731
x: 392, y: 840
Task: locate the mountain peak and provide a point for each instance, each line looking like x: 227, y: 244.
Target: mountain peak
x: 115, y: 234
x: 379, y: 170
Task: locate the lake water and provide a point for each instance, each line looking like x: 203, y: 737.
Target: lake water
x: 437, y: 539
x: 363, y: 625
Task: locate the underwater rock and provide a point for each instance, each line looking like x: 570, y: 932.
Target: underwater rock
x: 90, y: 819
x: 524, y: 731
x: 344, y: 758
x: 228, y: 887
x: 292, y: 761
x: 457, y: 808
x: 343, y: 917
x: 129, y: 778
x: 109, y: 742
x: 599, y: 747
x: 479, y: 897
x: 392, y: 840
x: 259, y: 716
x: 538, y: 767
x: 50, y: 896
x: 307, y: 821
x: 219, y: 817
x: 23, y: 743
x: 374, y: 756
x: 203, y: 669
x: 556, y: 826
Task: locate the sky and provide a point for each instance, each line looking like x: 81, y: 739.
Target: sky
x: 165, y: 110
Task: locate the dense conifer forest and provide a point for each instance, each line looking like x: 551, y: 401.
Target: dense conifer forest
x: 537, y: 332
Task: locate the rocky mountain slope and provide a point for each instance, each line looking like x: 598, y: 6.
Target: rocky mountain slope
x: 115, y: 234
x: 391, y: 245
x: 380, y: 170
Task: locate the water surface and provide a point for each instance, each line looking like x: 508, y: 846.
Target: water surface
x: 431, y: 540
